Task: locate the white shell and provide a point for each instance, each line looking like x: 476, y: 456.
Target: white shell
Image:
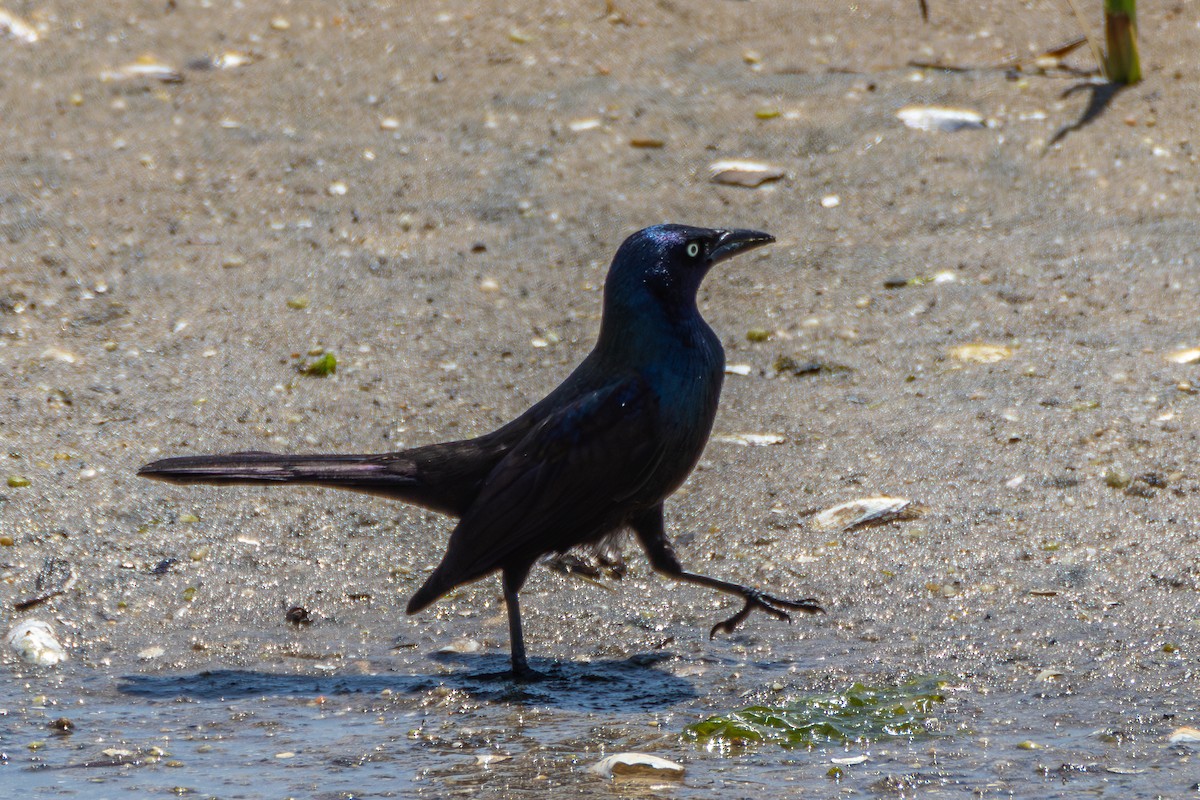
x: 1184, y: 736
x: 17, y: 28
x: 232, y: 60
x: 939, y: 118
x: 35, y: 642
x: 1188, y: 356
x: 757, y: 439
x: 637, y: 765
x: 850, y: 760
x: 143, y: 68
x: 864, y: 511
x: 744, y: 173
x: 58, y: 354
x: 980, y: 352
x: 491, y: 758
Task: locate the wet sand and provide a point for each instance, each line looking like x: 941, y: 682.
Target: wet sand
x: 433, y: 196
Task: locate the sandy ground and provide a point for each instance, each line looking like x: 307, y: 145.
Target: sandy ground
x: 433, y: 195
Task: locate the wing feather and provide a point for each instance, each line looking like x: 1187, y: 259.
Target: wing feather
x: 573, y: 478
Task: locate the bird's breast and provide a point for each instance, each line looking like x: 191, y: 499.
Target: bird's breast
x: 687, y: 387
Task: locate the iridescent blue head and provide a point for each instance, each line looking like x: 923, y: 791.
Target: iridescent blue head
x: 666, y: 263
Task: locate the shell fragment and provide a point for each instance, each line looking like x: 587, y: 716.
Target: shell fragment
x: 980, y: 352
x: 940, y: 118
x: 637, y: 765
x: 35, y: 642
x: 755, y: 439
x: 1189, y: 355
x: 1184, y: 735
x: 144, y: 67
x: 744, y: 173
x: 17, y: 28
x: 867, y: 511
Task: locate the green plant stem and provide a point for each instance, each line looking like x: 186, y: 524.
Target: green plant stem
x: 1120, y: 31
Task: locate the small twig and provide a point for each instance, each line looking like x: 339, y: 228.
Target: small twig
x: 52, y: 569
x: 1015, y: 62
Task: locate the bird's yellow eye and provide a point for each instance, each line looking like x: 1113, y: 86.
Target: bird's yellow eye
x: 693, y: 250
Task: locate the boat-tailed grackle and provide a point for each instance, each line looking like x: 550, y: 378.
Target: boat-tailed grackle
x: 597, y: 455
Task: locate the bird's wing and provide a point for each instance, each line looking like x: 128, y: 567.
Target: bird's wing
x: 569, y: 476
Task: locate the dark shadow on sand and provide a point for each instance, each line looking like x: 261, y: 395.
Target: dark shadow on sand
x: 1101, y: 96
x: 635, y: 683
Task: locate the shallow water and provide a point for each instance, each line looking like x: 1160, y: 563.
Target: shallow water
x: 249, y: 734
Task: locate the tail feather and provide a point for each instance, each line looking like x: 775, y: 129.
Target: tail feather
x: 351, y: 471
x: 394, y: 475
x: 434, y: 587
x: 443, y: 477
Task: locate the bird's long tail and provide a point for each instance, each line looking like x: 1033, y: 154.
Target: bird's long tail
x: 349, y: 471
x: 442, y: 477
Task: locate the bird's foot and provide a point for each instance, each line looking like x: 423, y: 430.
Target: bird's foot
x: 523, y: 673
x: 769, y: 603
x: 528, y: 676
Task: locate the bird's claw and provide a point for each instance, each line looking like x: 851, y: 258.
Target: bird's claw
x: 768, y: 603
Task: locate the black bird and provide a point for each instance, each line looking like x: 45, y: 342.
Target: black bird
x: 599, y: 454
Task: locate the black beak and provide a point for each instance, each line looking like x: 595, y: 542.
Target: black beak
x: 730, y: 243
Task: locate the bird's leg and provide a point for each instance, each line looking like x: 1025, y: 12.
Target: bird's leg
x: 755, y: 598
x: 649, y: 530
x: 520, y: 667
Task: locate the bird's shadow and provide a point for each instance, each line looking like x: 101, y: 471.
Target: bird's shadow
x: 1100, y: 97
x: 633, y: 683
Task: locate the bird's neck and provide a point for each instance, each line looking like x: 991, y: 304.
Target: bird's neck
x: 648, y: 332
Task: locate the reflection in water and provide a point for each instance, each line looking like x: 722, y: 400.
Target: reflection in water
x: 632, y: 684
